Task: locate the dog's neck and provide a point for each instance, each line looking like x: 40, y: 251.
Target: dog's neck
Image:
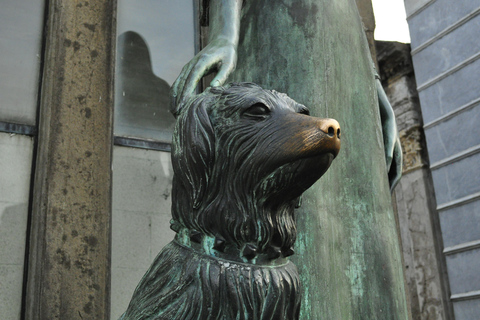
x: 219, y: 248
x: 244, y: 224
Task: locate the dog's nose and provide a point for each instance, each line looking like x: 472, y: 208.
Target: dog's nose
x: 330, y: 127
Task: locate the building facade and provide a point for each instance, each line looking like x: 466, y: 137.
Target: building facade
x: 445, y: 53
x: 417, y: 219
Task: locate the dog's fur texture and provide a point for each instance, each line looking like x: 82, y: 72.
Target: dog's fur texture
x: 184, y: 285
x: 242, y: 156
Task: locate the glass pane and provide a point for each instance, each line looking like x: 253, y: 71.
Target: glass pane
x: 142, y: 188
x: 15, y: 163
x: 156, y: 38
x: 21, y: 23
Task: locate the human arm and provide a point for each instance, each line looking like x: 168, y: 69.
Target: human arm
x: 219, y: 55
x: 391, y: 140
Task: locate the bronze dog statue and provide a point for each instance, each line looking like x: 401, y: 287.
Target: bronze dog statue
x: 242, y: 156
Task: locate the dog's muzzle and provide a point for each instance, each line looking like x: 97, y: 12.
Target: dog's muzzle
x: 331, y: 128
x: 305, y: 136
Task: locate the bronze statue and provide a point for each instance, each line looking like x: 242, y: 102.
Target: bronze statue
x: 242, y: 156
x: 220, y: 56
x: 231, y: 260
x: 347, y: 249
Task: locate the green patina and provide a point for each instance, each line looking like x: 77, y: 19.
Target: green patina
x: 347, y: 249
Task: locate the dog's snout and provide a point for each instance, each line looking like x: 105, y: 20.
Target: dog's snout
x: 330, y: 127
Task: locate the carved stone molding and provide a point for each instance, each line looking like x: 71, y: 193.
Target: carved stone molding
x: 413, y: 146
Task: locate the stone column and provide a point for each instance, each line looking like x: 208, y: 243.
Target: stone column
x: 69, y: 253
x: 415, y: 198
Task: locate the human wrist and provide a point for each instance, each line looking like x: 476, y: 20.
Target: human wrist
x: 225, y: 21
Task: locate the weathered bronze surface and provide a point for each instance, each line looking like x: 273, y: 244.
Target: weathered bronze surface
x: 291, y: 20
x: 242, y: 156
x: 347, y: 248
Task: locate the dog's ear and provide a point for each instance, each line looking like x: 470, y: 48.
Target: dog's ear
x: 193, y: 148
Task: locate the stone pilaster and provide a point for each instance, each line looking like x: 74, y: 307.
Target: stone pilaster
x: 69, y: 252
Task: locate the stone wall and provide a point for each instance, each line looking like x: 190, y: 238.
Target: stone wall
x: 415, y: 198
x: 446, y: 58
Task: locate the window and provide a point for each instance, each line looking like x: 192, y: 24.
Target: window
x: 155, y: 39
x: 21, y: 22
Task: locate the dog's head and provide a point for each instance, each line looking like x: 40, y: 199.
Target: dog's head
x: 242, y: 155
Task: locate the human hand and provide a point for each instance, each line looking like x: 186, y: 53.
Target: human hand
x: 395, y: 169
x: 219, y: 55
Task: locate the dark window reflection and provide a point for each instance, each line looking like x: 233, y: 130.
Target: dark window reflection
x: 156, y: 38
x: 142, y: 99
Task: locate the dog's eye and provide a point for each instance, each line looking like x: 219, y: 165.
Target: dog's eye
x: 257, y: 111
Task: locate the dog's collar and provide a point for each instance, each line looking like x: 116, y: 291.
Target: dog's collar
x: 218, y: 248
